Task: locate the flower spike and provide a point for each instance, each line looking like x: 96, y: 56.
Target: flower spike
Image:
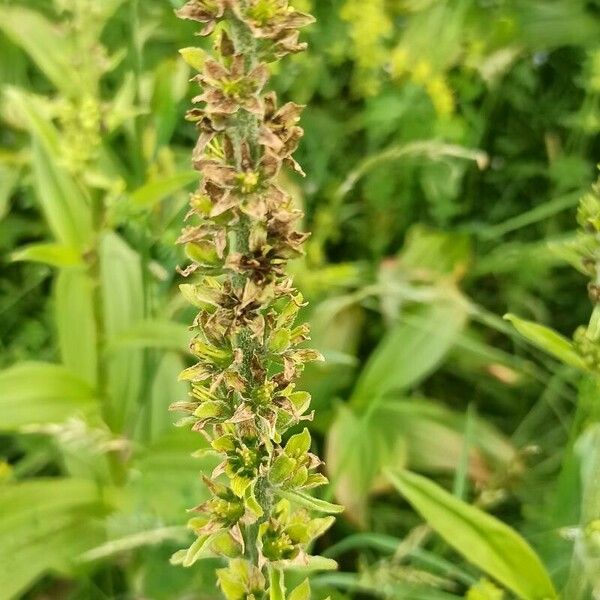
x: 241, y: 232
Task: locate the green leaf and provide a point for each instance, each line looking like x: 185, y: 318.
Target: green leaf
x: 140, y: 539
x: 65, y: 207
x: 194, y: 57
x: 74, y: 304
x: 276, y: 584
x: 316, y: 563
x: 40, y: 393
x: 123, y: 301
x: 410, y: 351
x: 483, y: 540
x: 159, y: 189
x: 45, y: 44
x: 9, y: 178
x: 55, y: 255
x: 485, y: 590
x: 415, y: 433
x: 548, y: 340
x: 168, y: 482
x: 302, y: 592
x: 45, y: 526
x: 152, y: 333
x: 166, y: 388
x: 585, y: 572
x: 171, y: 79
x: 436, y: 252
x: 306, y: 501
x: 298, y: 444
x: 197, y: 551
x: 32, y: 111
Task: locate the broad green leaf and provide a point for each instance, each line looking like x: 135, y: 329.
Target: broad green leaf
x: 436, y: 252
x: 165, y: 335
x: 410, y: 351
x: 46, y: 45
x: 159, y: 189
x: 403, y: 432
x: 483, y: 540
x: 40, y: 393
x: 76, y: 323
x: 168, y: 483
x: 309, y: 502
x: 548, y: 340
x: 55, y: 255
x: 45, y: 525
x: 123, y: 301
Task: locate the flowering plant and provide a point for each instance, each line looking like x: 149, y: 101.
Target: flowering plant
x: 249, y: 348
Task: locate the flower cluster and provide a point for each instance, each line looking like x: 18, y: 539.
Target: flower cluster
x: 241, y: 233
x: 586, y: 251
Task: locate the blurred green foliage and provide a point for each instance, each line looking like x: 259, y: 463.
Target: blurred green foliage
x: 447, y: 145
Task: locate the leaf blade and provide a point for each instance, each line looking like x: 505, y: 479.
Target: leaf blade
x: 548, y: 340
x: 410, y: 351
x: 25, y: 402
x: 482, y: 539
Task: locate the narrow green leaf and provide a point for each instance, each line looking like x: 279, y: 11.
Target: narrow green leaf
x: 311, y: 503
x: 159, y: 189
x: 483, y: 540
x: 548, y: 340
x: 140, y: 539
x: 63, y: 205
x: 55, y: 255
